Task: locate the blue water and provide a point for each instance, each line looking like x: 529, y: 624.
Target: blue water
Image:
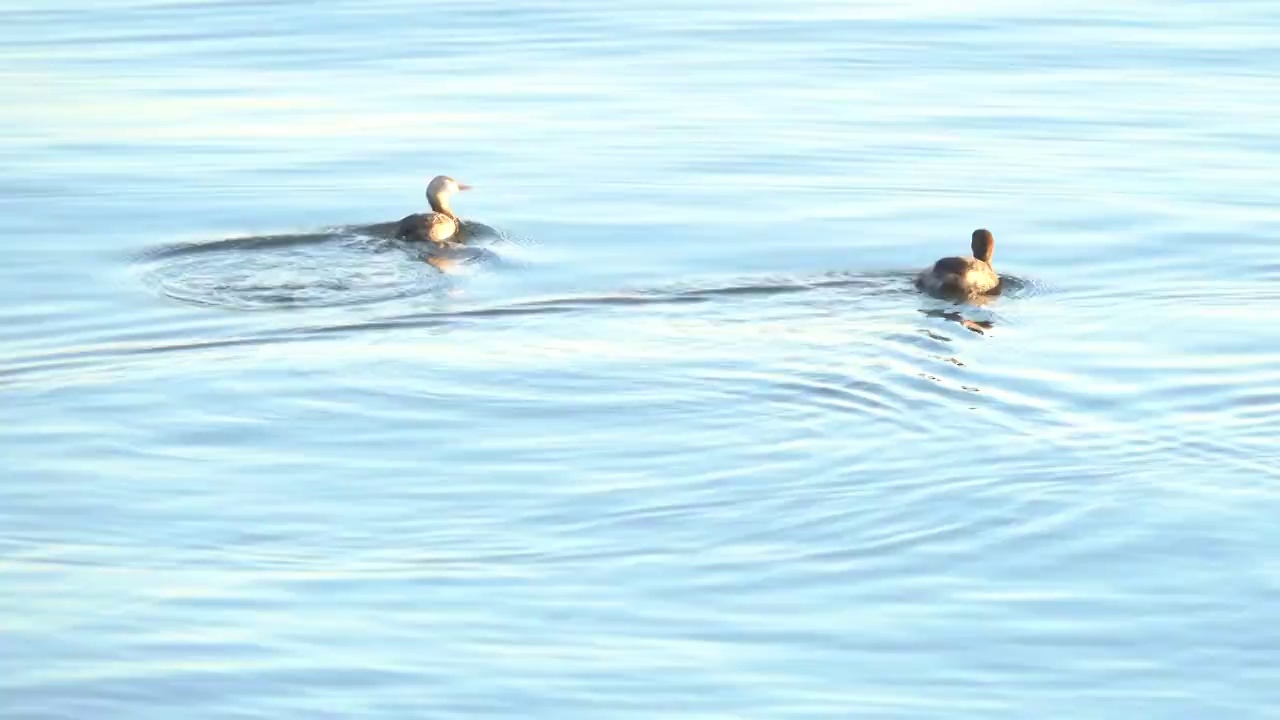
x: 684, y: 441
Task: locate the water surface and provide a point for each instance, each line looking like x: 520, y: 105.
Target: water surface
x: 685, y: 441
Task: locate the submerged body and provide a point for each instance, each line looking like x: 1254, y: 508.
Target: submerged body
x: 964, y: 276
x: 441, y: 225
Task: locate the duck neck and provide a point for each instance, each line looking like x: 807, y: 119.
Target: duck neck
x: 441, y: 205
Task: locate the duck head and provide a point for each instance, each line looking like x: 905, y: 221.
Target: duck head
x: 440, y: 189
x: 984, y: 244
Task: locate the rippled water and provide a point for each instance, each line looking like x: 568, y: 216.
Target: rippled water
x: 682, y: 439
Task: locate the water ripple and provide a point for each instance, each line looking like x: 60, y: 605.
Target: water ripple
x: 343, y: 266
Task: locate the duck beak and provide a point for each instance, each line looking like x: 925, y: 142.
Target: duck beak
x: 463, y: 187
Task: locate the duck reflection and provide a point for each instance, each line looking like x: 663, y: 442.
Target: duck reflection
x: 979, y: 326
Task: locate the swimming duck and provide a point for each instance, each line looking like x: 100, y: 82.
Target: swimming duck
x: 441, y: 225
x: 963, y: 276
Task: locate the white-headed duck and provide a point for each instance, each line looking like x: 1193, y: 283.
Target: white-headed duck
x: 441, y: 224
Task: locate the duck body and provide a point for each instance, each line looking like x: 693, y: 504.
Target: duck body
x: 433, y: 227
x: 958, y: 276
x: 963, y: 276
x: 439, y: 226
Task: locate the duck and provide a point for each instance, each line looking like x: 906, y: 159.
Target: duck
x: 441, y: 225
x: 964, y: 276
